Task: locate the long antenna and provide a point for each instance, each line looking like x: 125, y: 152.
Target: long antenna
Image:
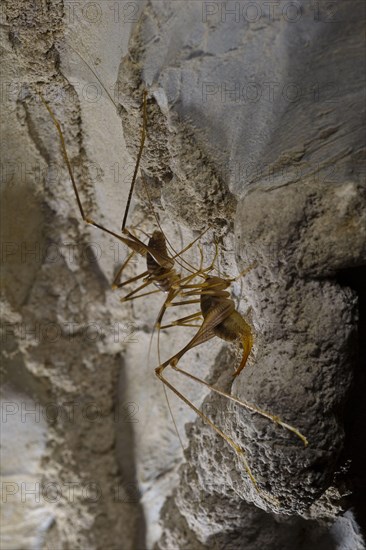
x: 143, y: 136
x: 95, y: 74
x: 143, y: 131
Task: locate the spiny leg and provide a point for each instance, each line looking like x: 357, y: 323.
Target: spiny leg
x: 205, y: 333
x: 171, y: 295
x: 214, y: 317
x: 240, y: 452
x: 245, y: 404
x: 236, y: 447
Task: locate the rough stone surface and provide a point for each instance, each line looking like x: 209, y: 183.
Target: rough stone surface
x: 59, y: 316
x: 254, y: 127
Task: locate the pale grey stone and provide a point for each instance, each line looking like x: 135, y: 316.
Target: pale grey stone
x: 280, y: 179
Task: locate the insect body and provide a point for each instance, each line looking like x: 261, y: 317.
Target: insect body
x: 221, y: 319
x: 233, y: 327
x: 160, y: 266
x: 217, y: 313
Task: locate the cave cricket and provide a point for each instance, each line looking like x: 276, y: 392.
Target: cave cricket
x: 217, y: 315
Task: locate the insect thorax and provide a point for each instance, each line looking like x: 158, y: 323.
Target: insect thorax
x: 159, y: 265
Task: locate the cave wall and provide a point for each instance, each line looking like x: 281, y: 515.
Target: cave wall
x: 255, y: 128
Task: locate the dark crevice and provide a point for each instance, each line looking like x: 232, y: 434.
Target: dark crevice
x: 355, y: 422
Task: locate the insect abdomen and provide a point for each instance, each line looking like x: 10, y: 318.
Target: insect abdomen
x: 233, y: 327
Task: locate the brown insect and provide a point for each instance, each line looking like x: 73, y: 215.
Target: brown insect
x: 217, y: 312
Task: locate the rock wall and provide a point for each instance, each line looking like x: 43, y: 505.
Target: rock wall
x: 255, y: 129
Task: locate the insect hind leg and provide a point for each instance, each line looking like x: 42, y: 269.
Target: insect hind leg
x: 159, y: 373
x: 242, y: 403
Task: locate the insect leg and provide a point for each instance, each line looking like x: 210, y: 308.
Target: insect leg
x: 129, y: 297
x: 120, y: 285
x: 71, y: 174
x: 184, y: 321
x: 244, y: 404
x: 116, y: 281
x: 159, y: 373
x: 142, y: 142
